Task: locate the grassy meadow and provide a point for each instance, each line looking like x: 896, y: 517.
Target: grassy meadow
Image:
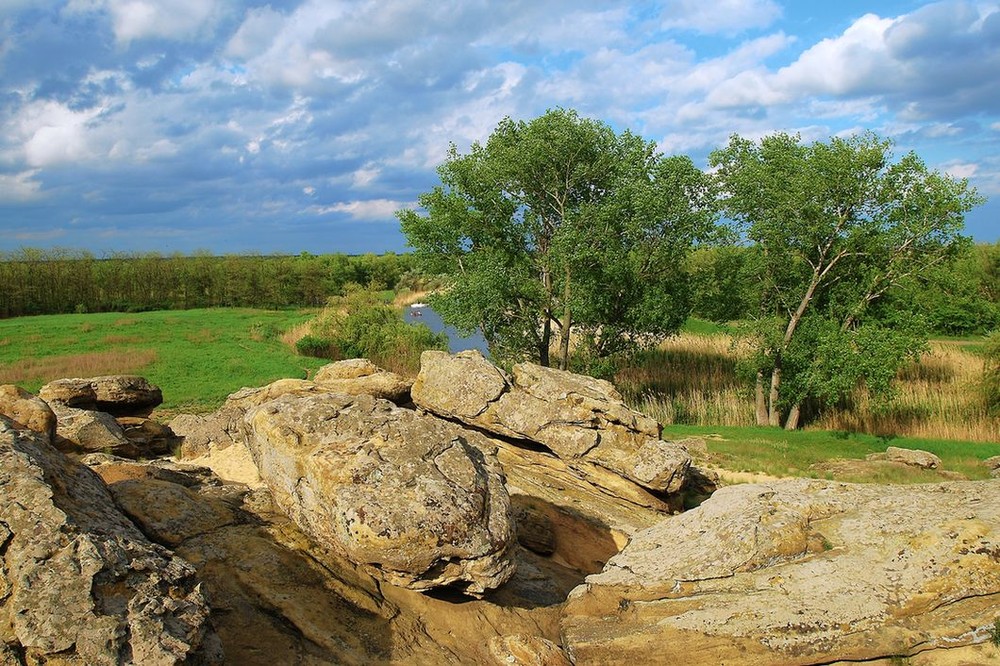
x: 197, y: 357
x: 689, y: 384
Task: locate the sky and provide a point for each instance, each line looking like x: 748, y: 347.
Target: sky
x: 239, y: 126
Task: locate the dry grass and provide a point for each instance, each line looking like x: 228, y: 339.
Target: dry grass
x: 691, y: 379
x: 296, y: 333
x: 42, y: 370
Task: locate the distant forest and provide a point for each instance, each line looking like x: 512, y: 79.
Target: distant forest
x: 961, y: 297
x: 38, y: 282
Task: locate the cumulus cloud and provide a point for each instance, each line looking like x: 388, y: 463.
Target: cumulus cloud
x: 182, y: 20
x: 374, y: 209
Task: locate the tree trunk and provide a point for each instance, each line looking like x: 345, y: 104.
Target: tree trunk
x: 792, y: 422
x: 761, y: 400
x: 774, y: 416
x: 546, y: 314
x: 567, y: 326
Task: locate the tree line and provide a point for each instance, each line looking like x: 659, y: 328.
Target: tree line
x: 61, y: 281
x: 562, y: 229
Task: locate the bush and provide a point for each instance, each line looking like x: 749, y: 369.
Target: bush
x: 362, y: 325
x: 317, y: 347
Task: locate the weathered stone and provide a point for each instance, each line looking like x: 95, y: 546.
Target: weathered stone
x: 150, y: 438
x: 418, y: 501
x: 27, y: 411
x: 360, y: 376
x: 911, y: 457
x: 85, y: 430
x: 169, y: 513
x: 524, y: 650
x: 118, y: 395
x: 77, y: 393
x: 84, y: 585
x: 798, y: 572
x: 580, y: 419
x: 200, y: 434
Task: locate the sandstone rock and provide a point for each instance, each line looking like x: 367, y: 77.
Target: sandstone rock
x: 418, y: 501
x: 88, y: 431
x: 77, y: 393
x: 562, y: 514
x: 169, y: 513
x: 150, y: 438
x: 118, y: 395
x: 580, y: 419
x: 524, y: 650
x: 200, y: 434
x: 82, y: 584
x: 798, y: 572
x: 912, y: 457
x: 27, y: 411
x: 360, y: 376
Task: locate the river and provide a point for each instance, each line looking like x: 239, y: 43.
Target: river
x: 456, y: 342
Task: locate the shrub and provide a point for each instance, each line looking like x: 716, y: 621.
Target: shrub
x: 314, y: 346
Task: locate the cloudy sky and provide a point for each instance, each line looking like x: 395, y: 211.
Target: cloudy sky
x: 301, y: 125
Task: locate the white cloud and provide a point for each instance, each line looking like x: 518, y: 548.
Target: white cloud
x: 55, y: 134
x: 960, y: 169
x: 182, y: 20
x: 366, y: 175
x: 20, y: 187
x: 720, y: 16
x: 373, y: 209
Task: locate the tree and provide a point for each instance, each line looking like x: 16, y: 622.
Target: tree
x: 833, y: 228
x: 558, y: 226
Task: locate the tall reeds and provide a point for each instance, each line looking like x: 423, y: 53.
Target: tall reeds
x: 693, y: 379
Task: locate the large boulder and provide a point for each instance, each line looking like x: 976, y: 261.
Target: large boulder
x: 119, y: 395
x: 798, y: 572
x: 359, y: 376
x: 27, y: 410
x: 79, y: 583
x: 418, y: 501
x: 89, y: 431
x: 580, y: 419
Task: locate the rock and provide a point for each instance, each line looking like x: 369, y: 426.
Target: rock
x: 798, y: 572
x: 560, y: 513
x: 993, y: 463
x: 360, y: 376
x: 77, y: 393
x: 169, y: 513
x: 118, y: 395
x: 200, y: 434
x: 417, y: 501
x: 27, y: 411
x: 85, y: 430
x: 580, y: 419
x: 82, y: 585
x: 912, y: 457
x: 150, y: 438
x: 526, y: 651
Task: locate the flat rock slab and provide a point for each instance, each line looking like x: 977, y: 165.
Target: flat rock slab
x: 418, y: 501
x: 798, y: 572
x: 118, y: 395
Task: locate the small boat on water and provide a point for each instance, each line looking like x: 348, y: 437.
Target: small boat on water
x: 417, y: 306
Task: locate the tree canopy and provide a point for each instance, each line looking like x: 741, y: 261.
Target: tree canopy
x: 560, y: 230
x: 833, y: 228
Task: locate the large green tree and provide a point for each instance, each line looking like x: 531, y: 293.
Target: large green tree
x: 561, y: 225
x: 834, y: 227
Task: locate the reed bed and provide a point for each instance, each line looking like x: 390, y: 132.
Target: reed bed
x: 44, y: 369
x: 693, y: 380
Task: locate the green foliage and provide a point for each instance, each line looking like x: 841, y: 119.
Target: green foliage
x: 361, y: 324
x: 995, y: 633
x: 64, y: 281
x: 833, y: 228
x: 557, y: 225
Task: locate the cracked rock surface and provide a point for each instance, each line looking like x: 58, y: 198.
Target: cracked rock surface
x: 799, y: 572
x: 79, y: 583
x: 580, y: 419
x: 418, y: 501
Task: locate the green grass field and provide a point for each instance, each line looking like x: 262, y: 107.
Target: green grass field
x: 197, y: 357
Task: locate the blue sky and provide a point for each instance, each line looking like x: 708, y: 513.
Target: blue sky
x: 301, y: 125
